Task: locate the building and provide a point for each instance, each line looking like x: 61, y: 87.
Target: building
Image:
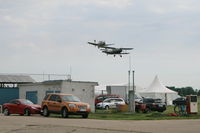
x: 37, y: 91
x: 9, y: 86
x: 122, y: 90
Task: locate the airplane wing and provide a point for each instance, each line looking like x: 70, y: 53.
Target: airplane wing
x: 118, y: 48
x: 95, y: 44
x: 109, y: 47
x: 124, y: 53
x: 126, y: 48
x: 109, y: 44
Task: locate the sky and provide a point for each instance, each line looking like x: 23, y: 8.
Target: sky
x: 50, y: 36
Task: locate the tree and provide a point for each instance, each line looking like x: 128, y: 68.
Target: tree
x: 185, y: 91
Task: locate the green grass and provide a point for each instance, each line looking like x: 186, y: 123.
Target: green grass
x: 114, y: 115
x: 139, y: 116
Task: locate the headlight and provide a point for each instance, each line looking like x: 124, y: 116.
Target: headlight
x: 33, y: 107
x: 72, y: 105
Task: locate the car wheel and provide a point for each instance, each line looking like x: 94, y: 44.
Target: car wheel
x: 85, y: 115
x: 45, y: 112
x: 137, y: 110
x: 6, y: 112
x: 64, y: 113
x: 107, y: 107
x: 27, y: 112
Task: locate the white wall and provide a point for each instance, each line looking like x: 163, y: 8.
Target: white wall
x: 85, y: 91
x: 40, y: 88
x: 118, y: 90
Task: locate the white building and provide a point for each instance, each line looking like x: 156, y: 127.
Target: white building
x: 122, y: 90
x: 37, y: 91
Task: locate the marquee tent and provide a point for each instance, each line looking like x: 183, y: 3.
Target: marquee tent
x: 158, y: 90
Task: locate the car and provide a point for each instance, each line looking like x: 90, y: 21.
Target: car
x: 110, y: 103
x: 22, y: 107
x: 64, y: 104
x: 179, y: 101
x: 154, y: 105
x: 138, y: 100
x: 100, y: 98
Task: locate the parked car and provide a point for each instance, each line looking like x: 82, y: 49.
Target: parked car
x: 64, y: 104
x: 110, y: 103
x: 22, y: 107
x: 101, y: 98
x: 179, y: 101
x: 138, y: 100
x: 154, y: 105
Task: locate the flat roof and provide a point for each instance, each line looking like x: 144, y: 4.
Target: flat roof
x: 13, y: 79
x: 60, y: 81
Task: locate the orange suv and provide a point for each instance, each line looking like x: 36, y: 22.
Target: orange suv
x: 64, y: 104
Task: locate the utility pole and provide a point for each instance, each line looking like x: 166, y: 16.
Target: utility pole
x: 129, y: 86
x: 132, y: 97
x: 133, y: 91
x: 130, y: 93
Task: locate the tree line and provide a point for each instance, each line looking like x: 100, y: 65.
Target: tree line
x: 183, y: 91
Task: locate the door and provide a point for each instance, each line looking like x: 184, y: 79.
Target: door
x: 32, y: 96
x: 112, y: 103
x: 55, y: 103
x: 14, y: 107
x: 8, y: 94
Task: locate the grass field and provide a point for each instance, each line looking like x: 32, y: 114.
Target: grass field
x: 113, y: 115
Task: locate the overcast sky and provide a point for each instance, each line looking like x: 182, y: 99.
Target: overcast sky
x: 50, y: 36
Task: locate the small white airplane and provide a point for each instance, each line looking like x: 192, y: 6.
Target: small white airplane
x: 100, y: 44
x: 115, y: 51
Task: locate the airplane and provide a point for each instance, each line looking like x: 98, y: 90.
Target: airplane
x: 100, y: 44
x: 115, y: 51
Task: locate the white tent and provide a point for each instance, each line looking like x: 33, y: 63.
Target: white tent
x: 158, y: 90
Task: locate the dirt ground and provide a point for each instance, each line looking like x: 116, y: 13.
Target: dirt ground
x: 40, y: 124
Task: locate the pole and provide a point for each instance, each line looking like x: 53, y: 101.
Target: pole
x: 103, y: 98
x: 133, y: 92
x: 130, y: 96
x: 129, y: 86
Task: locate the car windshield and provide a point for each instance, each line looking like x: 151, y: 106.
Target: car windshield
x: 70, y: 98
x: 108, y: 100
x: 26, y: 102
x: 158, y: 100
x: 148, y: 100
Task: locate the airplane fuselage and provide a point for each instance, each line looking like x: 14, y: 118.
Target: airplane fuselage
x: 113, y: 51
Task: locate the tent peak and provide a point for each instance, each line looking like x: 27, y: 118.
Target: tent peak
x: 157, y: 86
